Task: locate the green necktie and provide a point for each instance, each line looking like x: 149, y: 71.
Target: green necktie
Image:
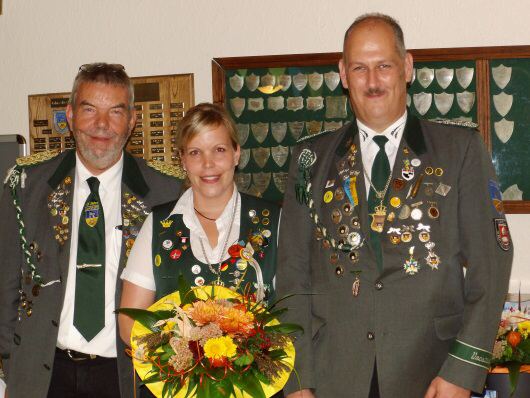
x: 379, y: 178
x: 89, y: 310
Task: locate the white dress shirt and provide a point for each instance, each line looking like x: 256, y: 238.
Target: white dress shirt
x: 139, y: 268
x: 104, y: 343
x: 369, y: 148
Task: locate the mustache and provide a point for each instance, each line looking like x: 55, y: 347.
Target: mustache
x: 101, y: 133
x: 374, y: 91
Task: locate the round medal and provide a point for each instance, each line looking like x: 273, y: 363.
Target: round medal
x: 167, y: 244
x: 439, y: 171
x: 354, y: 256
x: 255, y: 220
x: 433, y: 212
x: 334, y: 257
x: 339, y: 271
x: 196, y: 269
x: 354, y: 238
x: 252, y: 213
x: 199, y: 281
x: 347, y: 209
x: 416, y: 214
x: 266, y: 233
x: 245, y: 254
x: 355, y: 223
x: 175, y: 254
x: 429, y: 170
x: 265, y: 221
x: 339, y: 193
x: 336, y: 216
x: 415, y: 162
x: 158, y: 260
x: 405, y: 212
x: 328, y: 196
x: 241, y: 264
x: 343, y: 229
x: 395, y: 238
x: 129, y: 243
x: 406, y: 237
x: 265, y: 213
x: 395, y: 202
x: 424, y: 236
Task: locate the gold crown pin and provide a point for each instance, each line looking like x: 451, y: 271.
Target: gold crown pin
x: 166, y: 223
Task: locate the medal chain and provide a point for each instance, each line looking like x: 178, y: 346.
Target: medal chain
x: 218, y: 272
x: 379, y: 194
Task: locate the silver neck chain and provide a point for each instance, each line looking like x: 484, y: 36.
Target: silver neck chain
x: 379, y: 194
x: 218, y: 272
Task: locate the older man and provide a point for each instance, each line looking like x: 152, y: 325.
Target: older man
x: 397, y: 225
x: 68, y: 223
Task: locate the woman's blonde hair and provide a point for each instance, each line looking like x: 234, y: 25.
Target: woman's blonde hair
x: 204, y: 117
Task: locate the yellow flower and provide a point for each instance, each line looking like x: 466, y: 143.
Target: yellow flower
x: 186, y: 307
x: 231, y: 348
x: 524, y: 328
x: 215, y: 348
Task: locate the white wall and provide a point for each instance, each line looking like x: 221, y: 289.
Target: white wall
x: 43, y: 42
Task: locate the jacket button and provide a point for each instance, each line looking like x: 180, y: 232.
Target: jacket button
x: 55, y: 323
x: 370, y: 336
x: 46, y: 366
x: 379, y: 286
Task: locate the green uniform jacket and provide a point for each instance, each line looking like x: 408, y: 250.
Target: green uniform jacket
x: 172, y: 253
x: 28, y: 345
x: 435, y: 322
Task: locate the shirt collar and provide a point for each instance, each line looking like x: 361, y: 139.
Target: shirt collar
x: 108, y: 179
x: 394, y: 132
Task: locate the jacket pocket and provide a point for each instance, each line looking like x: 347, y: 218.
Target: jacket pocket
x: 448, y: 326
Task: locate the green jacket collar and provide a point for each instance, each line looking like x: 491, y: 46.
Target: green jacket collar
x: 131, y: 176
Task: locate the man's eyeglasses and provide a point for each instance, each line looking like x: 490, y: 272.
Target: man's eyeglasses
x: 97, y: 67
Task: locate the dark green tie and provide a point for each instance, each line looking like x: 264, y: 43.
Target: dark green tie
x: 89, y: 310
x: 379, y: 177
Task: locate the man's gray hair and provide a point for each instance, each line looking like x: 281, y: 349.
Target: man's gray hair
x: 101, y: 72
x: 376, y: 17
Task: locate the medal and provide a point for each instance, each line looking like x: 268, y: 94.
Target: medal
x: 428, y: 189
x: 378, y: 218
x: 395, y: 202
x: 395, y: 233
x: 354, y: 256
x: 411, y: 266
x: 442, y: 189
x: 433, y: 210
x: 405, y: 212
x: 406, y: 233
x: 433, y: 260
x: 416, y: 214
x: 339, y: 271
x: 328, y: 196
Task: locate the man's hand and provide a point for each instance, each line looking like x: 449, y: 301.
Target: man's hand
x: 301, y: 394
x: 440, y: 388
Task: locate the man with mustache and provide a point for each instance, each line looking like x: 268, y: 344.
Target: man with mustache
x: 395, y: 225
x: 69, y: 222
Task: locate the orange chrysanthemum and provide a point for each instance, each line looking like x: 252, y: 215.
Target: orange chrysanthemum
x: 234, y: 321
x: 203, y: 312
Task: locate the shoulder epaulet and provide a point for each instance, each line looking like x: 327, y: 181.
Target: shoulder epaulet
x: 311, y: 137
x: 456, y: 122
x: 36, y: 158
x: 167, y: 169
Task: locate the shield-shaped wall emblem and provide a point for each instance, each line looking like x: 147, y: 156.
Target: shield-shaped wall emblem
x: 444, y: 102
x: 422, y: 102
x: 512, y: 193
x: 332, y: 80
x: 261, y: 180
x: 425, y: 76
x: 244, y: 158
x: 444, y: 77
x: 466, y: 100
x: 503, y: 103
x: 300, y: 81
x: 268, y: 80
x: 332, y: 125
x: 252, y: 82
x: 275, y: 103
x: 279, y: 154
x: 261, y: 155
x: 502, y: 75
x: 278, y: 131
x: 504, y: 130
x: 242, y: 181
x: 259, y: 131
x: 464, y: 76
x: 255, y: 104
x: 336, y: 107
x: 296, y: 129
x: 280, y: 180
x: 315, y: 80
x: 59, y: 122
x: 236, y: 82
x: 242, y: 133
x: 238, y: 105
x: 315, y: 103
x: 285, y: 82
x: 313, y: 127
x: 295, y: 103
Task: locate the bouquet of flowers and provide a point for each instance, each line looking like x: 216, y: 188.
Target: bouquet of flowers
x: 212, y: 342
x: 512, y: 345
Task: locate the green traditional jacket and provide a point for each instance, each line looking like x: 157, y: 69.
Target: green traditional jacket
x: 172, y: 254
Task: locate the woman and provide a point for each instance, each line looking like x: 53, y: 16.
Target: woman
x: 195, y: 235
